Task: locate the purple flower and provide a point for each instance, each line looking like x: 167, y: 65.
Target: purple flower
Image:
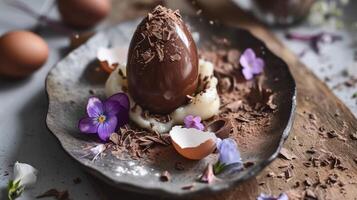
x: 103, y: 118
x: 251, y: 64
x: 314, y: 39
x: 228, y: 152
x: 193, y: 122
x: 282, y: 196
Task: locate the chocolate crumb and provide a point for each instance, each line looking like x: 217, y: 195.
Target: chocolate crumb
x: 179, y: 166
x: 311, y: 151
x: 332, y: 134
x: 308, y: 182
x: 77, y: 180
x: 165, y: 176
x: 248, y: 164
x: 271, y: 174
x: 353, y: 136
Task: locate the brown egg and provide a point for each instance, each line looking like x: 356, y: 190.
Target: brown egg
x: 162, y: 65
x: 83, y: 13
x: 21, y: 53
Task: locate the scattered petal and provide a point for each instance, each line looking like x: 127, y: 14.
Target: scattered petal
x: 193, y: 122
x: 97, y: 150
x: 251, y: 65
x: 24, y: 176
x: 228, y: 152
x: 25, y: 173
x: 247, y: 73
x: 208, y: 175
x: 282, y: 196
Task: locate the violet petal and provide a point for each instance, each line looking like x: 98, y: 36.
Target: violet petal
x: 111, y: 107
x: 122, y: 98
x: 228, y: 152
x: 94, y: 107
x: 107, y: 128
x: 247, y: 57
x: 263, y: 196
x: 258, y: 65
x: 122, y: 116
x: 193, y: 122
x: 88, y: 125
x: 247, y: 73
x: 187, y: 120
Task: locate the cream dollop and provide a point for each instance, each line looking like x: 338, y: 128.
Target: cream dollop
x: 205, y: 104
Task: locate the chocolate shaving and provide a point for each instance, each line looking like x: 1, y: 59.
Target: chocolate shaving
x: 353, y: 136
x: 288, y: 155
x: 157, y: 30
x: 59, y: 195
x: 188, y: 187
x: 175, y: 57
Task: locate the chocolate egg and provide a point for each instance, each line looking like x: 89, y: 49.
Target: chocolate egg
x: 21, y: 53
x: 162, y: 66
x: 83, y: 13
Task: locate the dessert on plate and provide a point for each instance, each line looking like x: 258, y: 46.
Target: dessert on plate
x: 204, y: 102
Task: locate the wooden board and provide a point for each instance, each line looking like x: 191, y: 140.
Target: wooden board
x: 322, y: 122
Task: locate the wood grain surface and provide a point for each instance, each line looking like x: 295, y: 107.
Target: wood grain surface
x: 320, y: 158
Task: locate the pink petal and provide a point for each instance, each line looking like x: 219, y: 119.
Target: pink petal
x: 88, y: 125
x: 107, y: 128
x: 94, y: 107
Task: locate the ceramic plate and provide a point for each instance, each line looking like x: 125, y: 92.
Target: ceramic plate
x: 75, y: 78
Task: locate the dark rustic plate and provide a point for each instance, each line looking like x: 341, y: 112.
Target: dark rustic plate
x: 75, y: 78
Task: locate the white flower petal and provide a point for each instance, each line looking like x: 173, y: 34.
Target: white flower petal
x: 25, y: 173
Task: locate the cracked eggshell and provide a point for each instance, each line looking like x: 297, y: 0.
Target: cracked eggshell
x: 192, y: 143
x: 110, y: 58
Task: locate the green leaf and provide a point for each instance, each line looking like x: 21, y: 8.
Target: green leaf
x: 218, y: 167
x: 14, y: 189
x: 354, y: 95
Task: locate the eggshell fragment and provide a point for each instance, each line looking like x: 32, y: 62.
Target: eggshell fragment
x: 110, y: 58
x: 192, y: 143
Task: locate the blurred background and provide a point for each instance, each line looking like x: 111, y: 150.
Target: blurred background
x: 35, y: 34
